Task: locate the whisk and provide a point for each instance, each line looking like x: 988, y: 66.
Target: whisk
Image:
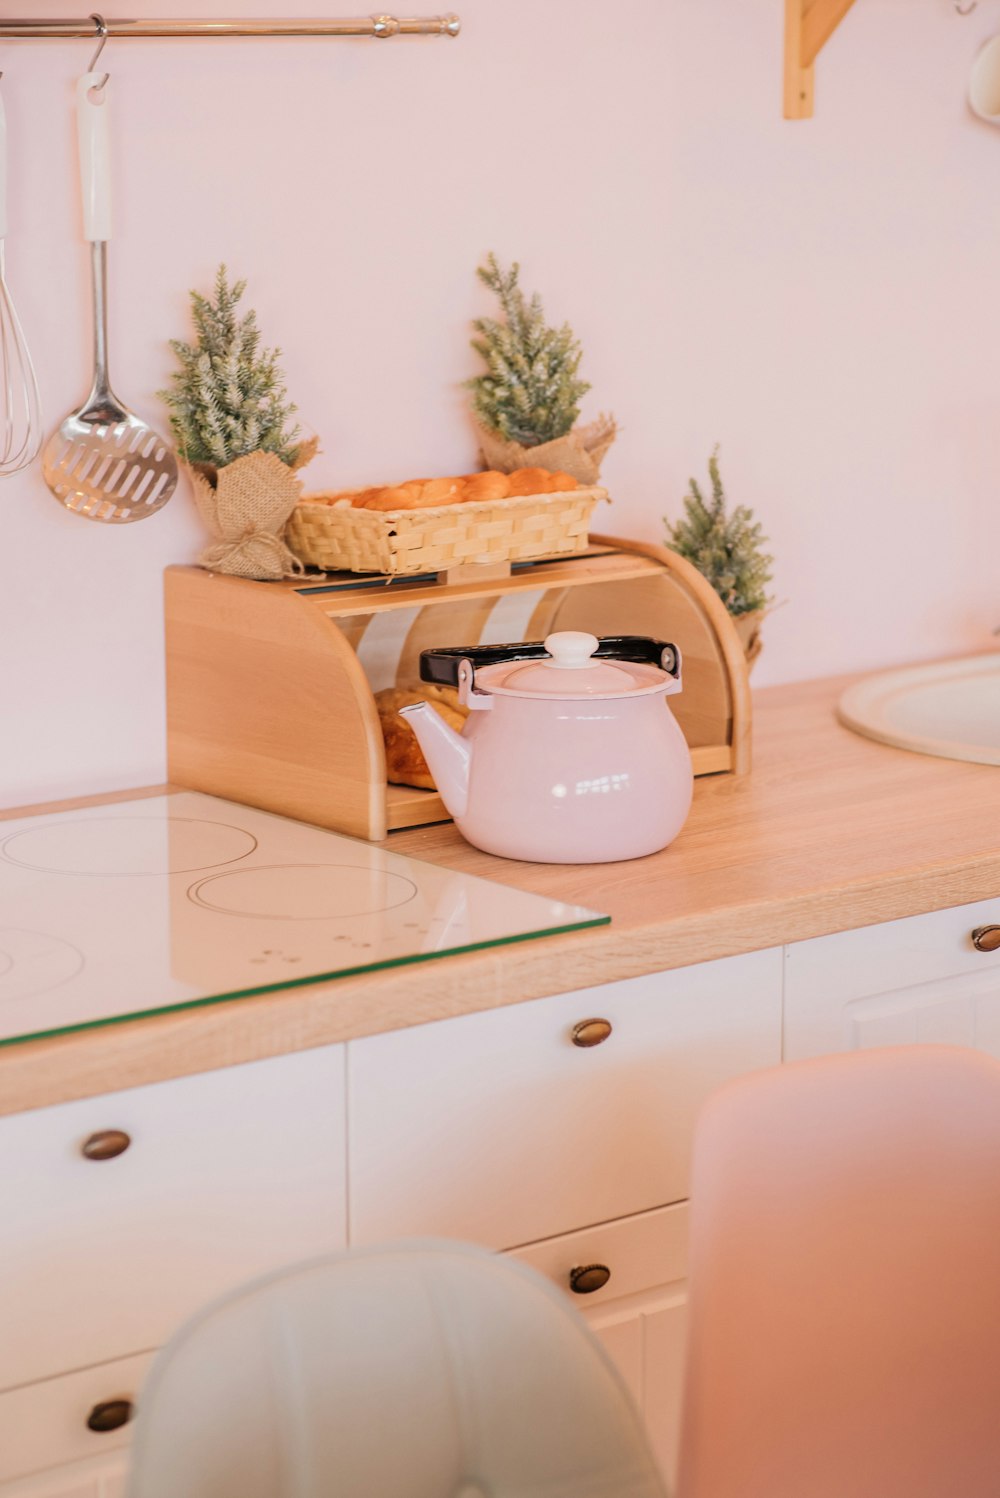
x: 20, y: 411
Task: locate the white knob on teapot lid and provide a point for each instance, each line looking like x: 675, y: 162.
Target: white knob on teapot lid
x: 571, y: 649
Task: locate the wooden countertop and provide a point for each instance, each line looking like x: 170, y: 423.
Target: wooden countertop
x: 829, y: 831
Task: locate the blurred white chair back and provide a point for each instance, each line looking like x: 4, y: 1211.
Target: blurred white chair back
x: 844, y: 1334
x: 425, y: 1370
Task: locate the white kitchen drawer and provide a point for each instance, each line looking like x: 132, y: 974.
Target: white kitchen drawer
x: 95, y: 1477
x: 918, y: 979
x: 641, y: 1252
x: 495, y: 1127
x: 227, y: 1174
x: 640, y: 1315
x: 45, y: 1424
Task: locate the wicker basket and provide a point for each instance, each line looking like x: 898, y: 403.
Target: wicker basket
x: 340, y: 538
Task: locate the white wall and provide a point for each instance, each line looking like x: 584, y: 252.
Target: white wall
x: 823, y: 298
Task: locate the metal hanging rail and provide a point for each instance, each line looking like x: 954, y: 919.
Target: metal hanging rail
x: 374, y: 26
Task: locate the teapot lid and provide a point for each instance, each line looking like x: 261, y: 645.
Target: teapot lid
x: 571, y: 671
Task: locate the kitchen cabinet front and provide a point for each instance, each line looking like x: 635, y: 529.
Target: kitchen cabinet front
x: 559, y: 1128
x: 927, y: 978
x: 503, y: 1128
x: 627, y: 1278
x: 77, y: 1416
x: 127, y: 1212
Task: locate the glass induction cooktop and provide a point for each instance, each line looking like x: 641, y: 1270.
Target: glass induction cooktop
x: 165, y: 902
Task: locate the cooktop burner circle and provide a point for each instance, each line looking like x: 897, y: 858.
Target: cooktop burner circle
x: 122, y: 846
x: 31, y: 962
x: 303, y: 892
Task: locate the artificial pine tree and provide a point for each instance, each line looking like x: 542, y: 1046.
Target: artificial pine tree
x: 228, y: 397
x: 530, y: 393
x: 727, y: 549
x: 230, y: 421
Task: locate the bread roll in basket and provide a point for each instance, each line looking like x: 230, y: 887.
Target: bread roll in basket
x: 430, y: 525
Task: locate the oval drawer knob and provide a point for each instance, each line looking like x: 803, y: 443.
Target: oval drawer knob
x: 111, y: 1414
x: 106, y: 1144
x: 587, y: 1278
x: 986, y: 938
x: 591, y: 1032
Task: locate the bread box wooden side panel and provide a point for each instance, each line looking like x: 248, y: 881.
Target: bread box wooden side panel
x: 267, y: 704
x: 271, y: 686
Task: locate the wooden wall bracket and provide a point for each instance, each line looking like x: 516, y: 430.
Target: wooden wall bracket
x: 809, y: 24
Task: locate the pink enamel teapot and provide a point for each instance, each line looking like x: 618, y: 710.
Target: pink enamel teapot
x: 570, y: 753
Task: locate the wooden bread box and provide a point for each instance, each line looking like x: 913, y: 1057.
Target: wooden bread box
x: 270, y: 686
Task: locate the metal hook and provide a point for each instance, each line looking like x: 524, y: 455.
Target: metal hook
x: 102, y: 33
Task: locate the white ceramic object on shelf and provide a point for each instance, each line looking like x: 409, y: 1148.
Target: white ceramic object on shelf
x: 564, y: 758
x: 949, y: 708
x: 984, y: 85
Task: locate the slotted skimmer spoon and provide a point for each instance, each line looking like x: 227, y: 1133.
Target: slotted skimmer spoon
x: 104, y: 462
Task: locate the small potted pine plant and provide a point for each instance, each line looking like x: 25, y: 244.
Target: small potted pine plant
x: 527, y: 402
x: 728, y: 549
x: 233, y: 429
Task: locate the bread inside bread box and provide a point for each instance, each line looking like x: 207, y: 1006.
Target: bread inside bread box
x: 285, y: 695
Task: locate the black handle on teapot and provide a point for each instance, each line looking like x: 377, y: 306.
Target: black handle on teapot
x: 441, y: 666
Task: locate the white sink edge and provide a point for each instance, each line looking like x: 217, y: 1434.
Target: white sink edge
x: 867, y: 707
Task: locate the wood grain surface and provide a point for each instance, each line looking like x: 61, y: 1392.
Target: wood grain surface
x: 829, y: 831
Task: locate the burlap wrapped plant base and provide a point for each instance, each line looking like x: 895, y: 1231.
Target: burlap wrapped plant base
x: 748, y: 629
x: 579, y: 453
x: 245, y: 506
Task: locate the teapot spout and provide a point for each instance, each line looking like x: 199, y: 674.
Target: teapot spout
x: 448, y: 755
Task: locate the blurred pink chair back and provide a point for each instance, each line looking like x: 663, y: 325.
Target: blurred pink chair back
x: 845, y: 1289
x: 432, y: 1370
